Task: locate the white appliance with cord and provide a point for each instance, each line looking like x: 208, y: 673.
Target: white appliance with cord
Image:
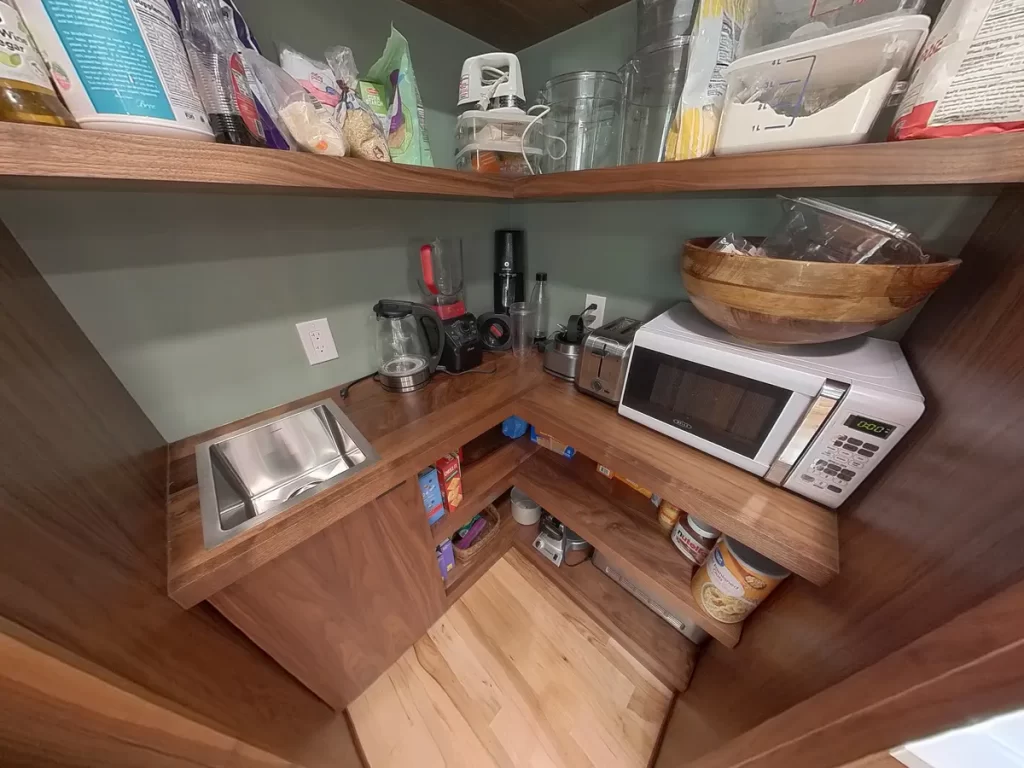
x: 814, y: 419
x: 493, y: 118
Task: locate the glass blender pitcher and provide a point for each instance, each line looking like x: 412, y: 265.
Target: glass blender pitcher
x: 409, y: 342
x: 440, y: 277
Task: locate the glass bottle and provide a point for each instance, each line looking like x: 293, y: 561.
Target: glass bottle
x: 220, y: 74
x: 540, y: 306
x: 26, y: 94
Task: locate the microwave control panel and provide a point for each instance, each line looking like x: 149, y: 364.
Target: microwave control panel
x: 841, y: 457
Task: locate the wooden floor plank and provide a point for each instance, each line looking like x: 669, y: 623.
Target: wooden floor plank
x: 515, y: 674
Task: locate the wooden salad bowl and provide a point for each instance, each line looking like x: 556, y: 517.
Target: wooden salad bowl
x: 780, y: 301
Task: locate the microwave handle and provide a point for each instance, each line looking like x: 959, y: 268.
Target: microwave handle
x: 817, y: 414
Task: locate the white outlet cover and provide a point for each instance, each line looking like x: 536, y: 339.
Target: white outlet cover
x: 594, y: 318
x: 317, y: 340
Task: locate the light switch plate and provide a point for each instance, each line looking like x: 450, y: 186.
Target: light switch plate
x: 594, y: 318
x: 317, y: 340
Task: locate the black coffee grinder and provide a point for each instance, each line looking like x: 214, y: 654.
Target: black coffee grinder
x: 441, y: 271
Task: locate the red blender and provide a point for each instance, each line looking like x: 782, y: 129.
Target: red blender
x: 441, y: 284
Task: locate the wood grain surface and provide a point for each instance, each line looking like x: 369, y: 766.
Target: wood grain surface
x: 45, y: 156
x: 784, y: 301
x: 967, y: 670
x: 647, y: 637
x: 790, y: 529
x: 483, y: 482
x: 935, y: 531
x: 515, y: 674
x: 466, y: 575
x: 38, y: 156
x: 83, y: 533
x: 631, y: 539
x: 974, y: 160
x: 55, y: 710
x: 409, y: 432
x: 337, y: 610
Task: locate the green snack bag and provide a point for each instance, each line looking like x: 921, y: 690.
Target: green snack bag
x: 406, y: 121
x: 372, y: 95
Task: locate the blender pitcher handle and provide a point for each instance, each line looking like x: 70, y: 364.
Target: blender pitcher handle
x: 423, y: 314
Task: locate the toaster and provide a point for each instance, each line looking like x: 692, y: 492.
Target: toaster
x: 604, y: 359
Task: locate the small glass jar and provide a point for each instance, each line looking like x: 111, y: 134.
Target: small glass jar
x: 668, y: 515
x: 694, y: 538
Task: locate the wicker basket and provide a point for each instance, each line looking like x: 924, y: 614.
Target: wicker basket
x: 493, y: 518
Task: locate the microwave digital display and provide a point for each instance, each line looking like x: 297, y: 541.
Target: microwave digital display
x: 870, y: 426
x: 732, y: 411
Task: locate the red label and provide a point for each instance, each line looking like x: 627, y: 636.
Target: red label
x: 243, y: 98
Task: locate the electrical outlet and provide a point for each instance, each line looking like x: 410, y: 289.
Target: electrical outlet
x: 317, y: 340
x: 595, y: 317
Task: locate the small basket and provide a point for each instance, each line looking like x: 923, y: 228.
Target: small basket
x: 493, y: 518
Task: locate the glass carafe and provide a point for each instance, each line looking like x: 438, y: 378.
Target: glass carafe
x: 440, y: 276
x: 409, y: 342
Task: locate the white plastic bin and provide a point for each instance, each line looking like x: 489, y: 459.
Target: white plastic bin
x: 819, y: 92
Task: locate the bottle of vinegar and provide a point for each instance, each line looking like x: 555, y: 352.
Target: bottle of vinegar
x: 26, y: 95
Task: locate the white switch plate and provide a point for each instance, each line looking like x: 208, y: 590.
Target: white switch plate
x: 594, y: 318
x: 317, y: 340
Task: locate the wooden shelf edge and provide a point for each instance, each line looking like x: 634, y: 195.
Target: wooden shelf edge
x: 483, y: 482
x: 997, y: 159
x: 669, y: 656
x: 795, y: 532
x: 613, y: 531
x: 466, y: 575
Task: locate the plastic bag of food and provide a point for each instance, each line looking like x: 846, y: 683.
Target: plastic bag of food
x: 311, y: 125
x: 313, y: 75
x: 970, y: 77
x: 716, y: 37
x: 407, y: 130
x: 364, y: 131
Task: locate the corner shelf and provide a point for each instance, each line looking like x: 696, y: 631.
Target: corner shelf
x: 47, y: 156
x: 656, y: 645
x: 624, y: 529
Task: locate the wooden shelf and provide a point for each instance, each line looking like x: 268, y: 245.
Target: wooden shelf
x: 793, y: 531
x: 482, y: 482
x: 63, y: 155
x: 465, y: 575
x: 656, y: 645
x: 48, y: 156
x: 620, y: 528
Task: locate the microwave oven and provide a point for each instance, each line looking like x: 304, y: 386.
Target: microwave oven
x: 813, y: 419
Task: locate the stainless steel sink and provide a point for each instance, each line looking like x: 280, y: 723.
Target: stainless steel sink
x: 260, y: 471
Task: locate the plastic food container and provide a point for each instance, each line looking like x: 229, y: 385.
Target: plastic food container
x: 525, y: 510
x: 817, y: 92
x: 734, y: 580
x: 779, y: 22
x: 582, y: 129
x: 499, y: 141
x: 652, y: 83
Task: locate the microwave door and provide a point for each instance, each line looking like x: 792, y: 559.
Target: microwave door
x: 822, y: 408
x: 735, y: 418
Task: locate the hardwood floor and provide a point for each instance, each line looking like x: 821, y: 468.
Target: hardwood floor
x: 514, y: 674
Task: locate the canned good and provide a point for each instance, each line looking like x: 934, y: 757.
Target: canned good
x: 694, y: 538
x: 734, y: 580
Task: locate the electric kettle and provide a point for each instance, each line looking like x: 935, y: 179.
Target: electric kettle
x: 406, y: 358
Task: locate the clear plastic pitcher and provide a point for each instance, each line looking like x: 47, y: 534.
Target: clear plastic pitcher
x: 652, y: 83
x: 660, y: 20
x: 582, y: 129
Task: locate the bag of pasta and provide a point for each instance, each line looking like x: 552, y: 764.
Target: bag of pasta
x: 363, y: 130
x: 716, y: 37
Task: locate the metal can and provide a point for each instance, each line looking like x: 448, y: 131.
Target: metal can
x: 734, y: 580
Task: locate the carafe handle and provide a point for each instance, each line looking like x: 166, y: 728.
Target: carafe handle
x: 424, y: 314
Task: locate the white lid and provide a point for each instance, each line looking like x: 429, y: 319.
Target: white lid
x: 702, y: 528
x: 823, y: 44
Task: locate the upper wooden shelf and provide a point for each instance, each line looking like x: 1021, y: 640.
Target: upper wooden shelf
x: 55, y: 156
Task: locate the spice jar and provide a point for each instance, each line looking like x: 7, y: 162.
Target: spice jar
x: 668, y: 514
x: 694, y: 538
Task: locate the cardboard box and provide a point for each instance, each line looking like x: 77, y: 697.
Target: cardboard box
x: 450, y: 473
x: 445, y: 558
x: 430, y: 490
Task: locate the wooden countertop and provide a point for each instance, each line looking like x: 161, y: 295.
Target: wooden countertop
x: 410, y: 431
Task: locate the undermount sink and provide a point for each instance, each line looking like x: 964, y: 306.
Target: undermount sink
x: 260, y: 471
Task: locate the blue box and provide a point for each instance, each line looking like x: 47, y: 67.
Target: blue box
x: 445, y: 558
x: 430, y: 490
